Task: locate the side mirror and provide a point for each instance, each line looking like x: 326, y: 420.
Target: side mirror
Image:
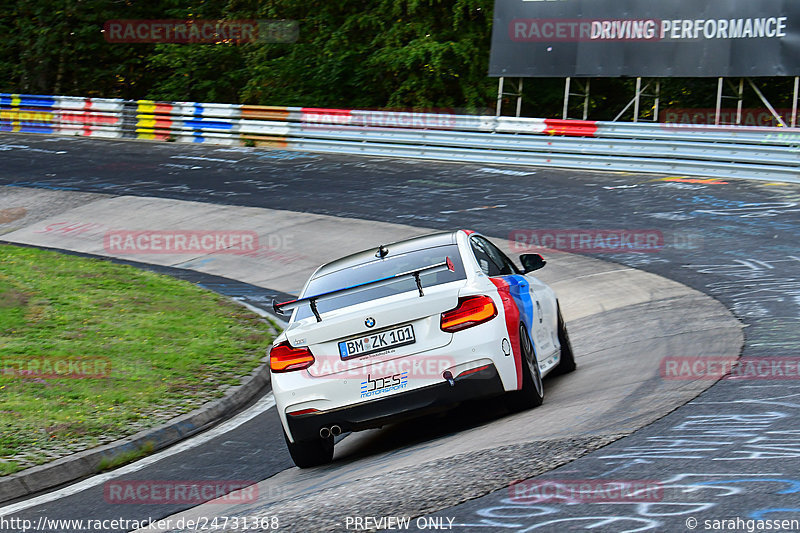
x: 531, y: 262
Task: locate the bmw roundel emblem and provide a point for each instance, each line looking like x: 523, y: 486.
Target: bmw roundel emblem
x: 369, y: 322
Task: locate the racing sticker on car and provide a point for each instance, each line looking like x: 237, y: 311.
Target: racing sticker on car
x: 518, y: 306
x: 377, y: 386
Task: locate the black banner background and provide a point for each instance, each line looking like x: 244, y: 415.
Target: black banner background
x: 561, y: 38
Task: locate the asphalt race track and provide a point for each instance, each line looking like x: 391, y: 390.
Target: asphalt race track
x: 731, y: 453
x: 600, y: 300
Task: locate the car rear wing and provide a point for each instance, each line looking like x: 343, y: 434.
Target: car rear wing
x: 280, y: 308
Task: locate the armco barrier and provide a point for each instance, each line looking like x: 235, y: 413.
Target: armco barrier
x: 702, y: 150
x: 91, y: 117
x: 27, y: 113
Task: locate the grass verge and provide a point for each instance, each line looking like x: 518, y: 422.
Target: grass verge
x: 92, y: 351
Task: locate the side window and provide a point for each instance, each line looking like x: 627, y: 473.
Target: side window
x: 498, y: 263
x: 489, y: 267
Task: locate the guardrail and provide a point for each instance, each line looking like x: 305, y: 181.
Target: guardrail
x: 701, y: 150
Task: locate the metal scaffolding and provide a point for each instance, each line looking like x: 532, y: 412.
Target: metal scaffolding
x: 584, y: 93
x: 636, y: 102
x: 501, y: 94
x: 641, y: 93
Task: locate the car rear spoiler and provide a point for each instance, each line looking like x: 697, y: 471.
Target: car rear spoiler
x: 279, y: 308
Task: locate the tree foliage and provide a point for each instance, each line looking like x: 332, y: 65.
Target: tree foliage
x: 358, y: 53
x: 412, y: 54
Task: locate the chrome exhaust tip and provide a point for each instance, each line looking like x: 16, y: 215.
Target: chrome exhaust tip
x: 449, y: 377
x: 324, y: 433
x: 336, y: 431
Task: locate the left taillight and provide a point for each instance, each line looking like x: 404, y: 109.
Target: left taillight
x: 470, y: 311
x: 284, y: 357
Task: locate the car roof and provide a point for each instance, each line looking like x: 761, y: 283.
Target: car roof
x: 431, y: 240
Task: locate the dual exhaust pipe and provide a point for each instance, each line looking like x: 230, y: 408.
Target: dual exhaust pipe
x: 333, y: 431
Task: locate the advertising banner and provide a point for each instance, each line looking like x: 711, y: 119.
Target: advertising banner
x: 645, y: 38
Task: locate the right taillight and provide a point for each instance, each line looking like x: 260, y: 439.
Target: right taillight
x: 470, y: 311
x: 284, y: 357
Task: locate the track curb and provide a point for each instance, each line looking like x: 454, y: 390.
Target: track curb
x: 85, y: 463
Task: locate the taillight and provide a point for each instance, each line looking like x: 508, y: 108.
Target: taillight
x: 285, y: 358
x: 470, y: 311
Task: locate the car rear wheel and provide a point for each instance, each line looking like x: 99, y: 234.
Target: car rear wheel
x: 567, y: 362
x: 532, y: 392
x: 310, y: 453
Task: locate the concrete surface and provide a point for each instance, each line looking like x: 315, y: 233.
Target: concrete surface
x: 622, y: 323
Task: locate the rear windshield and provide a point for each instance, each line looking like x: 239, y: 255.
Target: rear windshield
x: 381, y: 268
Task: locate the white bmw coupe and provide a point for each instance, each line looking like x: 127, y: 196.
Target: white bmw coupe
x: 408, y: 328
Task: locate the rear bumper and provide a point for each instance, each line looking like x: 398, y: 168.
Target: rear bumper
x: 397, y: 407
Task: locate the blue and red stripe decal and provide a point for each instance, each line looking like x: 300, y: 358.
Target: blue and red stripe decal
x: 518, y: 306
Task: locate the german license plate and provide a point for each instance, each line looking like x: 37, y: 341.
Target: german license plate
x: 377, y: 342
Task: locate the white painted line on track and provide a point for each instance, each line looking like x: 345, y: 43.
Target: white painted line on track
x: 202, y: 158
x: 264, y: 404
